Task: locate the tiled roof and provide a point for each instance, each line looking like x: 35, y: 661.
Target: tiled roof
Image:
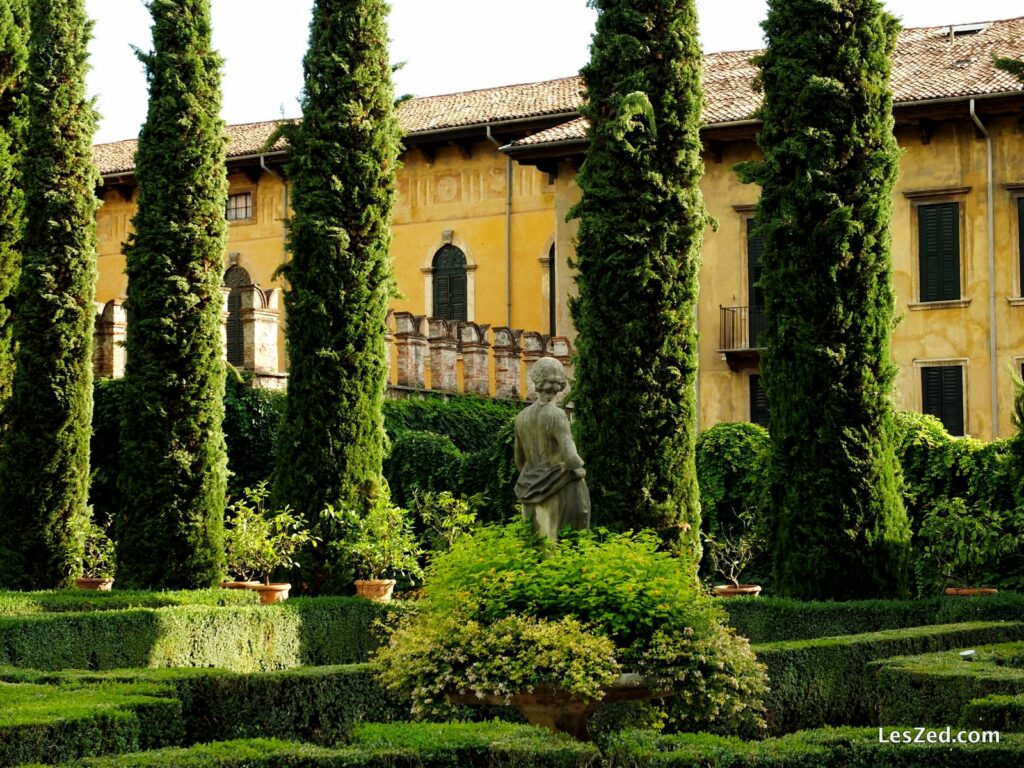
x: 249, y: 139
x: 926, y: 66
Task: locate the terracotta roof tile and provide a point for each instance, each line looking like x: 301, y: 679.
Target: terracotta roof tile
x: 926, y: 66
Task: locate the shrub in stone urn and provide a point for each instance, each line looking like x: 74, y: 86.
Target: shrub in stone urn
x: 97, y: 560
x: 556, y: 629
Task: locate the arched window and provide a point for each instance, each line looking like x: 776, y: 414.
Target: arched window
x: 235, y: 279
x: 450, y: 283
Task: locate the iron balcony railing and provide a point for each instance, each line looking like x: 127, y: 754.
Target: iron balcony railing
x: 742, y: 329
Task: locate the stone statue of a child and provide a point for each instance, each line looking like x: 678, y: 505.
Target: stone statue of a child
x: 551, y: 485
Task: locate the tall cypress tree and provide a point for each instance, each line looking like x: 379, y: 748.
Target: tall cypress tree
x: 343, y: 159
x: 44, y: 457
x: 13, y: 61
x: 830, y: 162
x: 174, y: 461
x: 642, y: 220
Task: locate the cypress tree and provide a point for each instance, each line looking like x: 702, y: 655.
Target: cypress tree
x: 44, y: 457
x: 830, y: 162
x: 174, y: 461
x: 13, y: 60
x: 343, y: 159
x: 641, y: 224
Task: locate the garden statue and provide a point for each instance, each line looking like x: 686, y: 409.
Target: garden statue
x: 551, y: 485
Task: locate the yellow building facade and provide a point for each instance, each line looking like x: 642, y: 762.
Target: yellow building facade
x: 480, y: 230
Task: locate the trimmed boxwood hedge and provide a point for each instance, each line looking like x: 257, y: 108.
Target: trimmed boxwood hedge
x: 937, y: 688
x: 998, y: 712
x: 773, y: 619
x: 827, y: 681
x: 303, y: 631
x: 451, y: 745
x: 826, y: 748
x: 80, y: 600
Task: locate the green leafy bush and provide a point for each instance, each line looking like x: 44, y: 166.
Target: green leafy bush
x: 424, y: 461
x: 618, y: 587
x: 252, y: 416
x: 732, y: 474
x: 97, y: 553
x: 381, y: 543
x: 444, y: 518
x: 826, y: 681
x: 258, y: 543
x: 471, y: 423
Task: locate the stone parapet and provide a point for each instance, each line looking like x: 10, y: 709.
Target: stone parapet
x: 475, y: 353
x: 411, y: 343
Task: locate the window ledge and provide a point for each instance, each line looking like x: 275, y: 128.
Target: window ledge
x: 1015, y: 301
x: 917, y: 306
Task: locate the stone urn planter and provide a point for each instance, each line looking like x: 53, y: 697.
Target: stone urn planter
x: 375, y: 589
x: 95, y: 585
x: 272, y: 593
x: 970, y: 591
x: 737, y: 590
x: 557, y: 710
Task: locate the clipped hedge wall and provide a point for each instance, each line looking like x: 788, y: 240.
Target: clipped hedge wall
x: 451, y: 745
x: 303, y: 631
x: 773, y: 619
x: 937, y: 688
x: 827, y: 681
x: 827, y: 748
x: 998, y: 712
x: 78, y: 600
x: 423, y: 460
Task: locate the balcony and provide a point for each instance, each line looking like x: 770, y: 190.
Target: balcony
x: 740, y: 336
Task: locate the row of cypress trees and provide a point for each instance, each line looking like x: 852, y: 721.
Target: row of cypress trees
x: 344, y: 155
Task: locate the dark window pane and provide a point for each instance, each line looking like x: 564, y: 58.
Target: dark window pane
x: 758, y: 402
x: 239, y: 207
x: 939, y: 246
x: 942, y: 395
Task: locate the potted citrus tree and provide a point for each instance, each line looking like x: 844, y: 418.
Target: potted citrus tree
x: 97, y: 560
x: 731, y: 550
x: 257, y: 543
x: 378, y: 546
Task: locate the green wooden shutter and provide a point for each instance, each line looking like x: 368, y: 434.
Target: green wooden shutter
x: 758, y: 402
x: 450, y: 285
x: 939, y: 247
x: 942, y: 396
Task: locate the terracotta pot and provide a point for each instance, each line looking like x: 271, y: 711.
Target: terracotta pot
x: 729, y: 590
x: 96, y: 585
x: 239, y: 584
x: 271, y: 593
x: 970, y: 591
x: 375, y: 589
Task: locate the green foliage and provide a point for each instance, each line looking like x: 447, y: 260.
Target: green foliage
x: 76, y: 601
x: 826, y: 748
x: 641, y: 224
x: 174, y: 462
x: 44, y: 455
x: 996, y: 712
x: 444, y: 518
x: 771, y: 619
x: 935, y: 688
x: 378, y: 544
x: 259, y: 542
x: 104, y: 450
x: 500, y: 590
x: 344, y: 154
x: 252, y: 416
x: 424, y: 461
x: 826, y: 682
x: 732, y: 549
x: 962, y: 545
x: 471, y: 422
x: 731, y: 462
x: 98, y: 554
x: 13, y: 61
x: 1014, y: 66
x: 830, y: 162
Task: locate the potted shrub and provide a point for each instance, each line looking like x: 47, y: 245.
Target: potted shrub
x: 960, y: 545
x: 378, y: 546
x: 97, y: 560
x: 258, y: 543
x: 730, y: 551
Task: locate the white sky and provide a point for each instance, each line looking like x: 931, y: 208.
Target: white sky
x: 448, y: 46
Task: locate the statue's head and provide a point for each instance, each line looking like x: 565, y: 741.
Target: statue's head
x: 548, y: 376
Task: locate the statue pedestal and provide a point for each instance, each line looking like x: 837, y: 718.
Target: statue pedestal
x: 555, y: 709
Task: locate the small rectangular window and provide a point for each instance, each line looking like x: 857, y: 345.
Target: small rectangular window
x: 239, y: 206
x: 758, y: 402
x: 939, y: 251
x: 942, y: 395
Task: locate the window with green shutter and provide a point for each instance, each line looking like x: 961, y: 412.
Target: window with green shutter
x: 1020, y: 241
x: 939, y: 250
x: 236, y: 278
x: 450, y: 283
x: 942, y: 395
x: 758, y: 402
